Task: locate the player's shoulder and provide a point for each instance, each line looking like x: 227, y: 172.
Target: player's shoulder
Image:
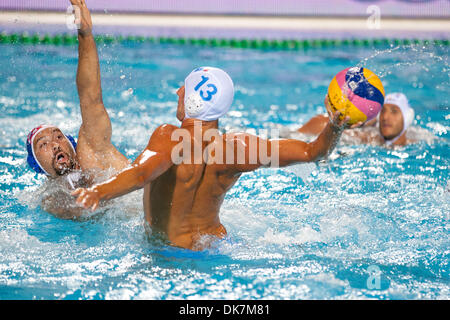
x: 164, y: 132
x: 165, y: 129
x: 161, y: 138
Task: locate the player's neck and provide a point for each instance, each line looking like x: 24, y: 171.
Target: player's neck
x: 190, y: 124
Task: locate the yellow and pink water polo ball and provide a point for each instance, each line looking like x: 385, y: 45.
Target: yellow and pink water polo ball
x: 356, y: 92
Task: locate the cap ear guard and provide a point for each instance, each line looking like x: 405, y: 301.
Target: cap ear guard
x: 72, y: 141
x: 194, y: 105
x: 409, y: 117
x: 32, y: 161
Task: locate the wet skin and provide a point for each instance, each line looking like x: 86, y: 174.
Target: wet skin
x: 94, y: 148
x: 390, y: 126
x: 183, y: 200
x: 54, y: 152
x: 391, y: 121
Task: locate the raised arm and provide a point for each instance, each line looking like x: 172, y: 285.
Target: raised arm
x: 96, y: 125
x: 150, y: 164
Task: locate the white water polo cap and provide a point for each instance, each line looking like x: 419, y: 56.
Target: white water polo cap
x: 400, y: 100
x: 209, y: 93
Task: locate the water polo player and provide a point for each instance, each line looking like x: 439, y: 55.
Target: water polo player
x: 55, y: 154
x: 359, y: 93
x: 394, y: 119
x: 182, y: 199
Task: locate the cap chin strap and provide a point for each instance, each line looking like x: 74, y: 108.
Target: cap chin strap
x: 392, y: 141
x: 73, y: 178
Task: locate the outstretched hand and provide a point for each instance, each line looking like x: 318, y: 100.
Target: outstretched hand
x: 340, y: 123
x: 343, y: 124
x: 88, y: 198
x: 82, y: 17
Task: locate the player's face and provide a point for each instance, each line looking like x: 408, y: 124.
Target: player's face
x: 391, y: 121
x: 54, y: 152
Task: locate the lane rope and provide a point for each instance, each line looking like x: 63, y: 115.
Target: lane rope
x: 293, y: 44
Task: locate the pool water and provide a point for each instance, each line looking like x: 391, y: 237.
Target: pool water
x: 369, y: 223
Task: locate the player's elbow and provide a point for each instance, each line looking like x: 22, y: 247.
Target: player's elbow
x: 147, y: 172
x: 137, y: 176
x: 140, y: 181
x: 313, y: 154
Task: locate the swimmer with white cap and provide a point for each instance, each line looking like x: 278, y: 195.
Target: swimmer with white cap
x: 185, y: 181
x: 54, y: 154
x: 394, y: 119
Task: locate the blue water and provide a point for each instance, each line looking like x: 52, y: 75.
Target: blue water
x: 369, y: 223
